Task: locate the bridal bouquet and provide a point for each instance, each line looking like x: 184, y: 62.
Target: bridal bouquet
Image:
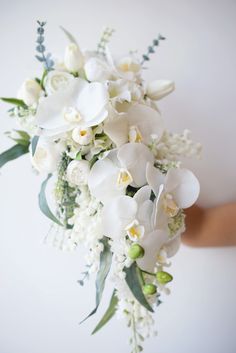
x: 91, y: 123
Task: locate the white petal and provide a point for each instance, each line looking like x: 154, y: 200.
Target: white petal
x: 102, y: 180
x: 147, y: 120
x: 183, y: 185
x: 92, y: 100
x: 134, y: 157
x: 117, y: 130
x: 96, y: 70
x: 117, y: 215
x: 144, y: 215
x: 143, y: 194
x: 49, y: 114
x: 159, y: 89
x: 151, y: 243
x: 98, y: 119
x: 172, y: 246
x: 154, y: 178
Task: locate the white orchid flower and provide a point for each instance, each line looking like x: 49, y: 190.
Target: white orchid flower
x: 109, y: 177
x: 80, y: 104
x: 139, y: 124
x: 126, y: 216
x: 97, y: 69
x: 177, y: 190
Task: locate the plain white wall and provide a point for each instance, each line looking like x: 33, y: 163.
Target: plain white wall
x: 40, y: 301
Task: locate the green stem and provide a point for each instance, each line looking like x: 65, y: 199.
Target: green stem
x: 149, y: 273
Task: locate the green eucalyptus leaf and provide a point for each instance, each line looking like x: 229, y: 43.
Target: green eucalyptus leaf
x: 134, y: 281
x: 110, y: 312
x: 13, y: 153
x: 69, y: 35
x: 34, y: 143
x: 43, y: 204
x: 15, y: 101
x: 105, y: 265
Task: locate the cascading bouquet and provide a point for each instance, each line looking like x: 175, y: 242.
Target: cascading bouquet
x: 92, y: 122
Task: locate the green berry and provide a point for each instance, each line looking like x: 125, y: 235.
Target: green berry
x: 163, y: 277
x: 136, y: 251
x: 149, y: 289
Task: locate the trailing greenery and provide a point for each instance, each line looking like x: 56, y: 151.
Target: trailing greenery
x: 105, y: 265
x: 14, y: 101
x: 13, y: 153
x: 110, y: 312
x: 41, y: 49
x: 151, y: 48
x: 65, y: 194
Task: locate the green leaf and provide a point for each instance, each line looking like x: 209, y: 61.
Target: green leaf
x: 105, y: 265
x: 69, y: 35
x: 15, y: 101
x: 13, y: 153
x: 110, y: 312
x: 78, y: 156
x: 134, y: 281
x: 43, y: 205
x: 34, y: 143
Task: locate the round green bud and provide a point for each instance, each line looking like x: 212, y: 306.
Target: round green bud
x: 163, y: 277
x: 136, y: 251
x: 149, y: 289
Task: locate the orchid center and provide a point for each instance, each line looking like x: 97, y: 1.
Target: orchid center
x: 135, y: 134
x: 135, y: 231
x: 124, y: 178
x: 71, y: 115
x: 169, y: 205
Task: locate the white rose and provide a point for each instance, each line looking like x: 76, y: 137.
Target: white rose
x: 83, y: 136
x: 56, y: 81
x: 97, y: 70
x: 46, y: 156
x: 158, y: 89
x: 73, y: 58
x: 30, y: 92
x: 77, y: 172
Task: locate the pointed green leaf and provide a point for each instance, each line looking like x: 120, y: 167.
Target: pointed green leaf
x: 14, y: 101
x: 69, y: 35
x: 13, y: 153
x: 133, y: 279
x: 43, y: 204
x: 34, y: 143
x: 105, y: 265
x: 108, y: 314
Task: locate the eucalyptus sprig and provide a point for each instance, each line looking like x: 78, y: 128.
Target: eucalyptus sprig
x: 41, y: 49
x: 151, y: 48
x: 104, y: 40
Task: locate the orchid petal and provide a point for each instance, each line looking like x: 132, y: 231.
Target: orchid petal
x: 117, y: 215
x: 117, y: 130
x: 147, y: 120
x: 102, y: 180
x: 172, y: 246
x: 152, y: 244
x: 183, y: 185
x: 92, y: 100
x: 143, y: 194
x: 154, y: 178
x: 134, y: 157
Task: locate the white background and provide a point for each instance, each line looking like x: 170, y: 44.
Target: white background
x: 40, y: 301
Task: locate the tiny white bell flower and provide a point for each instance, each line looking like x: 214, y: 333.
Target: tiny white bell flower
x: 82, y: 136
x: 73, y: 59
x: 159, y: 88
x: 30, y: 92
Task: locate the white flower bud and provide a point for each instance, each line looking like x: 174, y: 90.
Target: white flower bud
x: 77, y: 172
x: 30, y: 92
x: 56, y: 81
x: 83, y: 136
x: 73, y: 58
x: 159, y: 89
x: 46, y: 156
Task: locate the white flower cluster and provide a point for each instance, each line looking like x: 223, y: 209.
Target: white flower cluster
x: 93, y: 121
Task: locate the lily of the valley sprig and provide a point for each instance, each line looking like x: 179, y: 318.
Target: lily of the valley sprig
x: 91, y: 124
